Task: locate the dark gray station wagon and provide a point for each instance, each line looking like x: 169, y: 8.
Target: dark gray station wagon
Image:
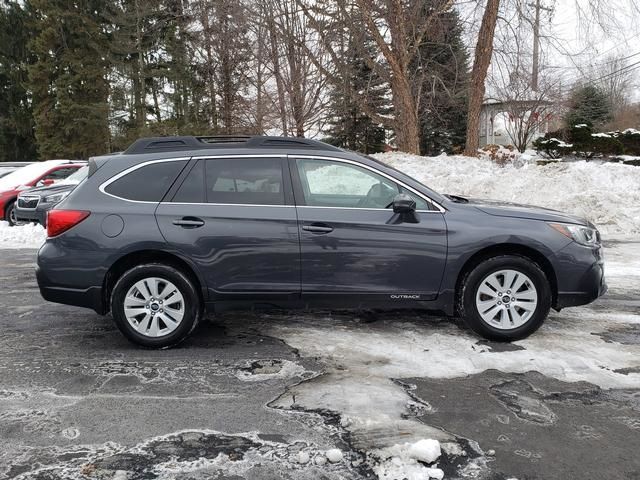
x: 175, y: 226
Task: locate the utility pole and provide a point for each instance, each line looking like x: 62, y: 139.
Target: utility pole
x: 536, y: 44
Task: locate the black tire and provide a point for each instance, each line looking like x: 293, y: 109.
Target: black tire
x: 9, y: 214
x: 472, y: 281
x: 192, y: 304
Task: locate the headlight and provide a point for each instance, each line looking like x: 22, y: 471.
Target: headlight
x: 56, y: 197
x: 586, y: 236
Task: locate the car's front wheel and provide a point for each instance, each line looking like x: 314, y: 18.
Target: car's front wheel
x: 10, y: 214
x: 155, y: 305
x: 505, y: 298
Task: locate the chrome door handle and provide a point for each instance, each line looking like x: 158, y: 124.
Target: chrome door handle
x: 189, y: 222
x: 315, y: 228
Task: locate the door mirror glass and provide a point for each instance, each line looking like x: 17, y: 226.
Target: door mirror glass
x: 403, y: 203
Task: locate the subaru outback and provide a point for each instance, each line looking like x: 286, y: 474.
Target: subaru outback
x: 174, y: 227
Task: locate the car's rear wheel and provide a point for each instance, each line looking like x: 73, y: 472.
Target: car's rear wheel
x: 155, y: 305
x: 505, y: 298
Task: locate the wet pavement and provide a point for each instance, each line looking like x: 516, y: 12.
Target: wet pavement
x: 265, y: 395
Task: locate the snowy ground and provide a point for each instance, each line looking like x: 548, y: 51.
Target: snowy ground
x: 307, y: 395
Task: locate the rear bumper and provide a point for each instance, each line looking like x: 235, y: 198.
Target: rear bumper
x: 53, y: 288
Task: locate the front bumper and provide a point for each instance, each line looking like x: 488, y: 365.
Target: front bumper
x: 580, y: 276
x: 38, y: 214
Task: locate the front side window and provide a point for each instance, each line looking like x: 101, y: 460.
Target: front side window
x: 257, y: 181
x: 148, y: 183
x: 327, y: 183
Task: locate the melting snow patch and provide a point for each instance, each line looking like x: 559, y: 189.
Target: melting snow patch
x: 262, y: 370
x: 334, y: 455
x: 406, y: 461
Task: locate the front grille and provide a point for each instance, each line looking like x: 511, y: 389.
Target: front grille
x: 28, y: 201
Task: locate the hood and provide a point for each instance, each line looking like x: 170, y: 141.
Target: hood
x: 51, y: 189
x: 508, y: 209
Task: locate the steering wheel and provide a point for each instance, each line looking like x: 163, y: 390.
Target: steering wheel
x: 376, y: 197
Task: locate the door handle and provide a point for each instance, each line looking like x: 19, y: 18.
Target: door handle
x: 189, y: 222
x: 318, y: 228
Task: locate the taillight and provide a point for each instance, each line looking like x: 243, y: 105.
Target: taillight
x: 59, y: 221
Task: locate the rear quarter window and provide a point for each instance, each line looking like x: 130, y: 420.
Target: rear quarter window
x: 148, y: 183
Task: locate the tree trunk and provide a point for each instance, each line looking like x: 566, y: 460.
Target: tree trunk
x: 482, y: 59
x: 407, y: 124
x: 210, y: 77
x: 139, y: 79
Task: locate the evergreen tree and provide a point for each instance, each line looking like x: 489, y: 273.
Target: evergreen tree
x: 588, y: 105
x: 68, y: 78
x: 442, y: 66
x: 349, y: 127
x: 17, y: 140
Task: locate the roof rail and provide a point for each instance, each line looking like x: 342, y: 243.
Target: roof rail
x: 183, y: 143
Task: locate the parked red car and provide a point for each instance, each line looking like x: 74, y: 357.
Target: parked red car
x: 34, y: 175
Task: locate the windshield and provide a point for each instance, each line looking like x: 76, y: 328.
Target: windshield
x: 76, y: 177
x: 23, y: 175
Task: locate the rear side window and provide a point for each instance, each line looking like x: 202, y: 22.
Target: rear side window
x: 257, y: 181
x: 192, y: 188
x: 148, y: 183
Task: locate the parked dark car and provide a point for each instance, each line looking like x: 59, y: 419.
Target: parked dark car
x: 32, y: 205
x: 177, y: 225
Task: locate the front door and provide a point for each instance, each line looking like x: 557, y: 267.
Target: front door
x: 349, y: 245
x: 235, y: 219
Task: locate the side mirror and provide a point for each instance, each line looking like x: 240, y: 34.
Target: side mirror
x: 403, y: 203
x: 45, y: 183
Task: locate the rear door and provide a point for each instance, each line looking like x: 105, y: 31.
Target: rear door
x: 234, y: 217
x: 350, y: 243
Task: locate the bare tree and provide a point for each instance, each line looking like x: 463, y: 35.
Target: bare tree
x: 482, y: 59
x: 397, y: 29
x: 298, y: 64
x: 615, y: 77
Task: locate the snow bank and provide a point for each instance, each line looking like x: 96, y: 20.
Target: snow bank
x: 24, y: 236
x: 607, y: 194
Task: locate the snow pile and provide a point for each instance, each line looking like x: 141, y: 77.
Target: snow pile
x: 406, y: 461
x: 607, y: 194
x: 23, y: 236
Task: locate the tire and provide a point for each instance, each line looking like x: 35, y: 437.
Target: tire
x: 138, y: 287
x: 10, y: 214
x: 508, y: 316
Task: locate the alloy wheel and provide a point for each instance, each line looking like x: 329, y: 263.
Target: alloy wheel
x: 506, y: 299
x: 154, y: 307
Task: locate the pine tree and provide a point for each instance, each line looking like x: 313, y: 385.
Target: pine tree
x: 443, y: 67
x: 17, y: 140
x: 68, y: 78
x: 349, y: 127
x: 588, y: 105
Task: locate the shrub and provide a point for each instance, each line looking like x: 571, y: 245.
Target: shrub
x: 552, y: 145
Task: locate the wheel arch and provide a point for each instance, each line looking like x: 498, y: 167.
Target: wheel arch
x: 140, y: 257
x: 508, y: 249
